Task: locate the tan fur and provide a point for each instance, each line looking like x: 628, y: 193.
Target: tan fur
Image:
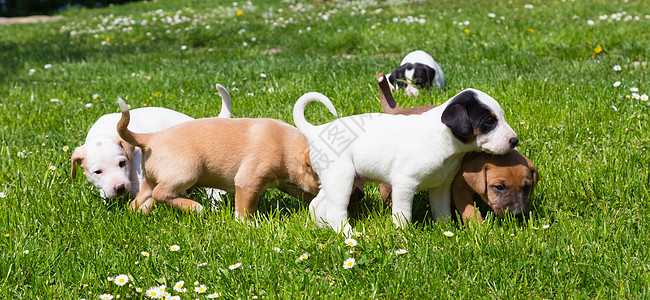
x: 478, y: 171
x: 244, y: 156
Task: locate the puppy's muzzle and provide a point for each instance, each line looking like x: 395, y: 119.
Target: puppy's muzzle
x: 513, y: 142
x: 120, y: 189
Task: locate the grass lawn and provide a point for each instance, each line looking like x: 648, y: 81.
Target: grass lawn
x: 571, y: 76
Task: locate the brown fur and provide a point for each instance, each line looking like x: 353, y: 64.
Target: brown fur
x: 477, y: 173
x: 244, y: 156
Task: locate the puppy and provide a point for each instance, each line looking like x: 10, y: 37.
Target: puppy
x: 504, y: 182
x: 244, y: 156
x: 375, y: 148
x: 417, y: 70
x: 112, y: 165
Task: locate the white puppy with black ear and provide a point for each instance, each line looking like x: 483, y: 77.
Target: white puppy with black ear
x: 418, y: 70
x: 112, y: 165
x: 375, y: 148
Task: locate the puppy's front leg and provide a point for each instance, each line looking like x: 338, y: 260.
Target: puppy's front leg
x: 440, y: 201
x: 402, y: 204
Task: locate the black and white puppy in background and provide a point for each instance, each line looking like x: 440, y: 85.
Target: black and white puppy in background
x: 418, y: 70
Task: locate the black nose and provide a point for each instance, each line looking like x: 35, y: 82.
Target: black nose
x: 513, y: 142
x: 120, y: 189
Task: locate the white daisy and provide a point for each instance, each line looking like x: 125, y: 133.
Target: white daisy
x: 174, y: 248
x: 277, y: 249
x: 617, y: 68
x: 179, y: 286
x: 304, y: 256
x: 616, y: 84
x: 121, y: 280
x: 644, y: 97
x: 634, y: 89
x: 448, y: 233
x: 144, y: 253
x: 235, y: 266
x: 351, y: 242
x: 349, y: 263
x: 200, y: 289
x: 401, y: 251
x: 106, y: 296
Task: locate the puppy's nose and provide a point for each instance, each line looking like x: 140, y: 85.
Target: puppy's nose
x: 513, y: 142
x: 120, y: 189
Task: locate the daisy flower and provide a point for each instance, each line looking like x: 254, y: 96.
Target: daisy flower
x: 546, y: 226
x: 616, y: 84
x: 47, y: 66
x: 65, y: 148
x: 304, y: 256
x: 26, y: 252
x: 634, y: 89
x: 617, y: 68
x: 88, y: 105
x: 139, y: 290
x: 448, y: 233
x: 179, y: 286
x: 644, y: 97
x: 20, y: 154
x: 349, y: 263
x: 52, y: 168
x: 202, y: 264
x: 106, y: 296
x: 636, y: 96
x: 32, y: 71
x: 235, y: 266
x: 200, y: 289
x: 3, y: 195
x: 351, y: 242
x: 173, y: 298
x: 213, y: 296
x: 277, y: 249
x: 174, y: 248
x: 262, y: 75
x: 401, y: 251
x: 144, y: 253
x: 95, y: 96
x: 55, y: 100
x: 121, y: 280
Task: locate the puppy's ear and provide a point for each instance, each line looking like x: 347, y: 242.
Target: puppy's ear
x: 477, y: 181
x: 305, y: 158
x: 397, y: 75
x: 126, y: 147
x: 535, y: 175
x: 431, y: 73
x: 78, y: 157
x: 456, y: 118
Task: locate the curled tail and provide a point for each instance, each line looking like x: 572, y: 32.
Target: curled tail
x: 388, y: 103
x: 135, y: 139
x: 299, y: 108
x: 226, y: 105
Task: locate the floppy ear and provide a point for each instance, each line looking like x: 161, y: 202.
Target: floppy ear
x: 398, y: 74
x: 126, y: 147
x: 78, y: 156
x: 477, y: 181
x: 456, y: 118
x: 430, y: 74
x: 535, y: 175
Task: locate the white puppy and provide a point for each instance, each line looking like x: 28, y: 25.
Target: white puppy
x: 374, y: 147
x: 417, y: 70
x: 112, y: 165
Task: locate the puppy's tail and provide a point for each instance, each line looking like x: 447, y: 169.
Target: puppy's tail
x: 299, y: 108
x: 226, y: 105
x: 135, y: 139
x: 388, y: 103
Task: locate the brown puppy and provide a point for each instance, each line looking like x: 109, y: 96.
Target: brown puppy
x: 504, y: 182
x: 244, y: 156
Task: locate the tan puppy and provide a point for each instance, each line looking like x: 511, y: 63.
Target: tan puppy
x: 504, y: 182
x: 244, y: 156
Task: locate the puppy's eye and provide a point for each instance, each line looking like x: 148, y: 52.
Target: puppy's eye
x: 122, y: 163
x: 499, y: 188
x: 489, y: 124
x: 98, y: 172
x: 526, y: 189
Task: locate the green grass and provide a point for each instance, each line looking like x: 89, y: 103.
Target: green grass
x: 59, y: 240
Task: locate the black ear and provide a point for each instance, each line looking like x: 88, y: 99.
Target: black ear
x: 456, y: 118
x: 399, y: 74
x: 430, y: 74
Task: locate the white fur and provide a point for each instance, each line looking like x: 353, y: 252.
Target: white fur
x: 102, y: 151
x: 419, y: 56
x: 376, y: 148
